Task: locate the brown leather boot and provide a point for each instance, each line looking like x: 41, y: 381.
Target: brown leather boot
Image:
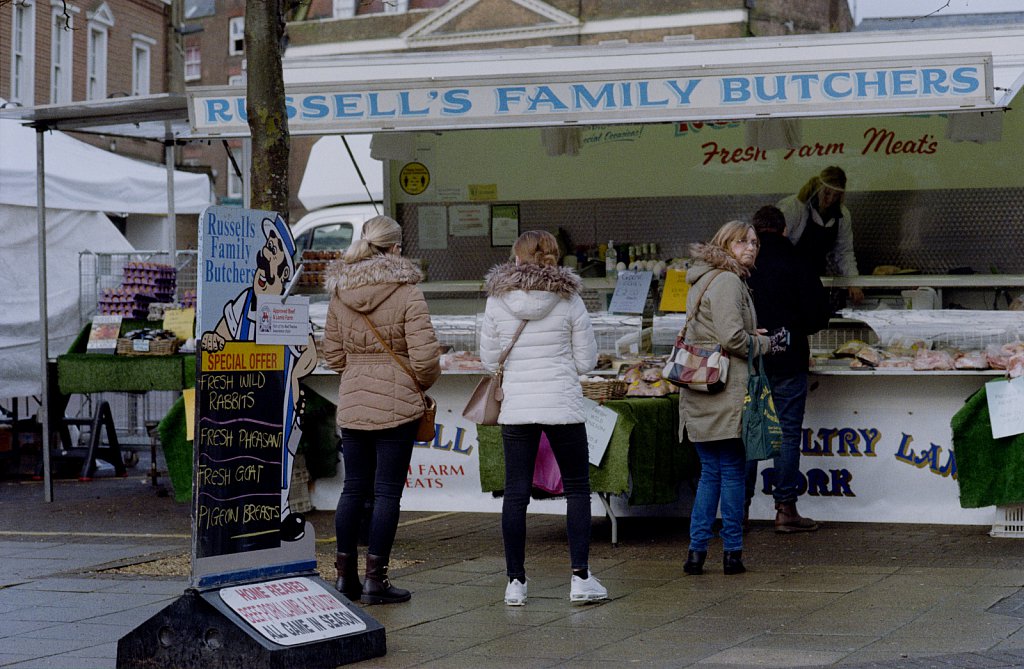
x: 787, y: 520
x: 377, y: 588
x: 348, y: 582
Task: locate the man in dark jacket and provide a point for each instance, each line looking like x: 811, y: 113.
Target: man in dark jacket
x: 787, y: 294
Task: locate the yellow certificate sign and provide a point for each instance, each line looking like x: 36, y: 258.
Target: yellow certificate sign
x: 245, y: 357
x: 181, y: 322
x: 673, y: 297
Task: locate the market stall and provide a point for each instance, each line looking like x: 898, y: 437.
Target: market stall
x: 656, y: 145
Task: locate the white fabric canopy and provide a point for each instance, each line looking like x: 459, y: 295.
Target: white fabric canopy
x: 67, y: 234
x: 331, y: 178
x: 82, y: 182
x: 81, y: 177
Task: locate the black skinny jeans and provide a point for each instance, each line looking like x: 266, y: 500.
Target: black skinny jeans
x: 376, y: 463
x: 569, y: 445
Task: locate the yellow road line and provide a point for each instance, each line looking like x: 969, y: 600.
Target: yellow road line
x: 13, y: 533
x: 10, y: 533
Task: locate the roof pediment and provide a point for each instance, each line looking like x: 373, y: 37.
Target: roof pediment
x: 476, y: 21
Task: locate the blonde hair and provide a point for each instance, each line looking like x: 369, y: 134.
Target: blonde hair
x: 733, y: 231
x: 380, y: 233
x: 536, y: 246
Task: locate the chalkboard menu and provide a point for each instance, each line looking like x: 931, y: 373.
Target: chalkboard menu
x: 239, y: 442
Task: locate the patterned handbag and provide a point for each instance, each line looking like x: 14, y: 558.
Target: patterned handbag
x: 695, y: 367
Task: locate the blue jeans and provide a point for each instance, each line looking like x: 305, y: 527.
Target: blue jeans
x: 790, y: 396
x: 376, y: 465
x: 569, y: 446
x: 722, y: 467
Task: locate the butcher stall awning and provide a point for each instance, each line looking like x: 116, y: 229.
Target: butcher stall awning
x: 838, y: 74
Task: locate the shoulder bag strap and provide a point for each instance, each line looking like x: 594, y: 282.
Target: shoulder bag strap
x: 400, y: 362
x: 696, y: 305
x: 500, y: 373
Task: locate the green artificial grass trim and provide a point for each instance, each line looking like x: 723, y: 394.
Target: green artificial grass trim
x: 989, y: 471
x: 177, y: 451
x: 81, y: 372
x: 319, y: 442
x: 644, y: 456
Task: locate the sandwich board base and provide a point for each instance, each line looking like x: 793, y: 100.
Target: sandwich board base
x: 202, y: 630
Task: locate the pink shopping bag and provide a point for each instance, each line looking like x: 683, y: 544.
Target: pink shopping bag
x: 546, y: 475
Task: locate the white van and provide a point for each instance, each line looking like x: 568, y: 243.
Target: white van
x: 331, y: 228
x: 339, y: 197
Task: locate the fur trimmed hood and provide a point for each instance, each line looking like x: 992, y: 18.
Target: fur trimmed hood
x: 713, y: 257
x: 507, y: 277
x: 385, y: 268
x: 364, y: 284
x: 530, y: 291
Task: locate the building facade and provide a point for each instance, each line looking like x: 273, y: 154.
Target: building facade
x: 61, y: 51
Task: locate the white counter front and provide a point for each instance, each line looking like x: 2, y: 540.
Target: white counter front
x: 878, y: 448
x: 444, y: 474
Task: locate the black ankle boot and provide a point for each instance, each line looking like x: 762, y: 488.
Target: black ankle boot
x: 377, y: 588
x: 695, y: 562
x: 348, y: 582
x: 732, y: 562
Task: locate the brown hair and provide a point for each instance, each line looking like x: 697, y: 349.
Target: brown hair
x: 536, y: 246
x: 831, y: 177
x: 769, y: 219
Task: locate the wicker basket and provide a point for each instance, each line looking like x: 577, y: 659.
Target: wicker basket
x: 156, y: 346
x: 600, y: 391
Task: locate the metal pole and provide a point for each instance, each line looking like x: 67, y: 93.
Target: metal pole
x: 172, y: 220
x: 44, y: 342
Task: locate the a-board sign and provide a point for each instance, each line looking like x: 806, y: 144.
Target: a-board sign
x: 247, y: 426
x: 631, y: 290
x: 238, y: 474
x: 292, y: 611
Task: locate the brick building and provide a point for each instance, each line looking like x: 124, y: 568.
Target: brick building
x: 61, y: 51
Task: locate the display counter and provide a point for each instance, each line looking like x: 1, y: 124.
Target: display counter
x: 463, y: 466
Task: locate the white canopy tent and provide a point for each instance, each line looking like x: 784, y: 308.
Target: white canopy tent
x: 335, y: 172
x: 83, y: 182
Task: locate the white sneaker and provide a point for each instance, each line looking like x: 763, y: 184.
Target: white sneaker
x: 515, y: 593
x: 587, y: 589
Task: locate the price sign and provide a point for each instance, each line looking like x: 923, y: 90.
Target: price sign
x: 1006, y: 406
x: 630, y: 292
x: 673, y: 296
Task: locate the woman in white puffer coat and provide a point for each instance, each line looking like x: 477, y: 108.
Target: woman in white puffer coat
x: 542, y: 395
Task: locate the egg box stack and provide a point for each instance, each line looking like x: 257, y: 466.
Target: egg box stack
x: 142, y: 283
x: 314, y: 266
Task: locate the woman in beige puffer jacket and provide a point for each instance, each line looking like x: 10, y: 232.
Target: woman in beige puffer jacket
x: 379, y: 405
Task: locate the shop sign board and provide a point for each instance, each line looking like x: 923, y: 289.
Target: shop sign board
x: 871, y: 85
x: 247, y: 427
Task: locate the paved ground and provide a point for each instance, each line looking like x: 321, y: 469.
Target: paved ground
x: 852, y: 595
